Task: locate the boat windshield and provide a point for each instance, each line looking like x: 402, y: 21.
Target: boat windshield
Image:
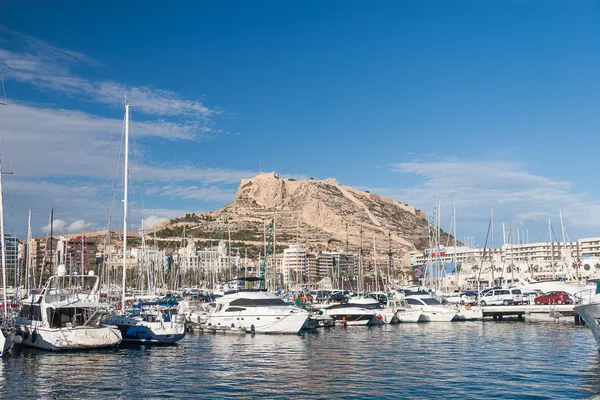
x: 431, y: 302
x: 414, y: 302
x: 61, y: 288
x: 257, y: 302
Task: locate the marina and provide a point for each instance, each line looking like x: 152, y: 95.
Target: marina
x: 470, y: 360
x: 300, y: 200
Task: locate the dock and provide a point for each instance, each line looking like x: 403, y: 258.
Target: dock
x: 555, y: 311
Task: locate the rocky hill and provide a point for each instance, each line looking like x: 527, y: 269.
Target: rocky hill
x: 319, y: 214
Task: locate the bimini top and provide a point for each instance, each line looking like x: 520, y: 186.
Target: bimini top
x: 244, y: 291
x: 160, y: 303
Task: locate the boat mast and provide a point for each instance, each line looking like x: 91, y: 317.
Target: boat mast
x: 360, y: 265
x: 492, y: 249
x: 376, y: 267
x: 512, y: 255
x: 273, y: 250
x: 125, y: 200
x: 454, y: 234
x: 28, y: 256
x: 562, y: 228
x: 3, y: 245
x: 82, y: 253
x: 229, y: 250
x: 551, y: 249
x: 297, y: 265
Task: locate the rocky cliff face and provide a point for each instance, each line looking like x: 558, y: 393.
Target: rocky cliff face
x: 318, y: 214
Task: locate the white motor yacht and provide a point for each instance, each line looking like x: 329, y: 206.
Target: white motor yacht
x: 65, y: 316
x: 431, y: 309
x: 194, y: 312
x: 358, y: 313
x: 589, y: 310
x: 369, y: 303
x: 468, y: 312
x: 256, y: 311
x: 350, y: 315
x: 7, y: 338
x: 154, y: 322
x: 403, y: 312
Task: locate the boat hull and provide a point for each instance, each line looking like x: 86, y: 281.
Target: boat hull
x: 283, y: 323
x: 471, y: 314
x: 408, y: 316
x: 352, y: 317
x: 591, y: 315
x: 7, y: 339
x: 142, y: 332
x: 436, y: 316
x: 65, y: 339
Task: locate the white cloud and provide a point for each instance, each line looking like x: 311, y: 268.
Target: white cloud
x: 58, y: 226
x: 37, y: 62
x: 533, y: 216
x: 190, y: 173
x: 78, y: 226
x: 153, y: 220
x: 69, y: 159
x: 193, y: 192
x: 515, y: 194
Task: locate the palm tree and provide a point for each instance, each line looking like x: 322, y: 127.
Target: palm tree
x: 576, y: 265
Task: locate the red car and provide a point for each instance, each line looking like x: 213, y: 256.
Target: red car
x: 554, y: 298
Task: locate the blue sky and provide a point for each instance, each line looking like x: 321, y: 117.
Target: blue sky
x: 490, y: 104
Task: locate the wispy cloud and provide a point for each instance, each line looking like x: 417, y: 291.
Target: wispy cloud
x: 50, y: 142
x: 70, y: 159
x: 207, y: 175
x: 514, y: 193
x: 39, y: 63
x: 193, y: 192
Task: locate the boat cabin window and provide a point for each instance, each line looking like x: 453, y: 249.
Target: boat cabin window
x: 234, y: 309
x: 68, y: 316
x: 414, y: 302
x: 431, y: 302
x: 33, y: 312
x: 257, y: 302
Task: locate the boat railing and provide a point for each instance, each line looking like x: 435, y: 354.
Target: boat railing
x: 584, y: 296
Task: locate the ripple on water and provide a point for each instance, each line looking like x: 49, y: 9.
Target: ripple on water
x: 471, y: 360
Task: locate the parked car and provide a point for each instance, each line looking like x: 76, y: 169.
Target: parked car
x: 460, y: 298
x: 486, y: 291
x: 554, y: 298
x: 497, y: 297
x: 517, y: 296
x: 529, y: 295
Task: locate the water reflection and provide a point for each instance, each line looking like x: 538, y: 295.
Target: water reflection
x: 454, y: 360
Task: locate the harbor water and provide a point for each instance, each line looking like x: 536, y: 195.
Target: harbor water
x: 470, y: 360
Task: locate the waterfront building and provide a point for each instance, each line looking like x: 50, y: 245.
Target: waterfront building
x: 12, y: 251
x: 214, y: 259
x: 74, y: 251
x: 295, y: 265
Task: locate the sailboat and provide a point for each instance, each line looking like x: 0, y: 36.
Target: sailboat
x: 66, y: 315
x: 157, y: 324
x: 7, y: 337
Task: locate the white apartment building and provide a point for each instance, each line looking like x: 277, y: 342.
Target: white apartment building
x: 210, y: 260
x: 295, y: 263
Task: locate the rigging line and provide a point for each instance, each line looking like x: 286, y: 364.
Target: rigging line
x: 117, y: 181
x: 5, y: 102
x: 136, y: 153
x: 483, y: 256
x: 5, y: 145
